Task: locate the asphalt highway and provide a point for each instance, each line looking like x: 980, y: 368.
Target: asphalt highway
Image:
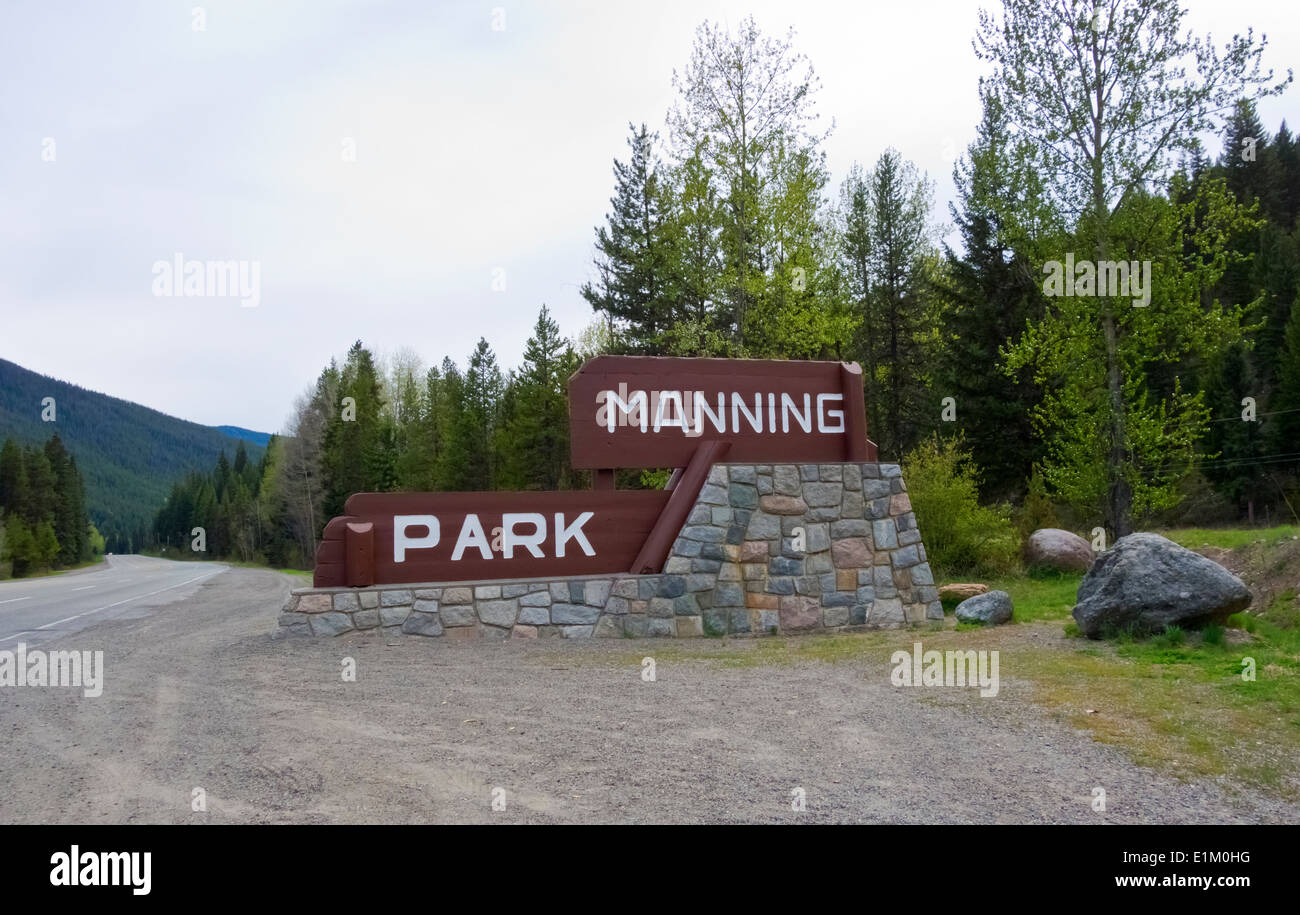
x: 38, y: 609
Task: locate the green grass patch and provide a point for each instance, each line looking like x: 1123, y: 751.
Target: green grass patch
x: 1230, y: 538
x: 50, y: 573
x: 1040, y: 597
x: 191, y: 557
x: 299, y: 573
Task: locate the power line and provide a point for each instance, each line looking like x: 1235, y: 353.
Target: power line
x: 1229, y: 419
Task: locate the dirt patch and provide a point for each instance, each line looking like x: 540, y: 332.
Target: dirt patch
x: 1268, y: 569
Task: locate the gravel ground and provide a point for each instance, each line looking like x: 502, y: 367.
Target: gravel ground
x: 197, y: 695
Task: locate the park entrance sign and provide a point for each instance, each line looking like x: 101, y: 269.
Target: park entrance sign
x: 629, y: 411
x: 624, y: 412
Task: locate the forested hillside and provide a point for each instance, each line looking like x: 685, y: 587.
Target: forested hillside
x: 128, y: 455
x: 247, y: 435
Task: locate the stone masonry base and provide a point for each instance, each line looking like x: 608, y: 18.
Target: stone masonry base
x: 767, y: 549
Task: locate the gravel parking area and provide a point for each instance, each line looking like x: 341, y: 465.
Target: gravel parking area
x: 197, y: 695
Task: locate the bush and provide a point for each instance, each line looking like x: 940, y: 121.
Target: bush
x: 1199, y: 505
x: 961, y: 536
x: 1172, y: 637
x: 1037, y: 512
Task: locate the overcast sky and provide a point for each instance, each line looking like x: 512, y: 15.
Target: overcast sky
x: 476, y: 150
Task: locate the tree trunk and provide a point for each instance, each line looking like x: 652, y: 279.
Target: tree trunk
x: 1119, y: 495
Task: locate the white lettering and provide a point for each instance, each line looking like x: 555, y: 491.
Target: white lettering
x: 510, y: 539
x: 823, y: 413
x: 637, y: 401
x: 402, y: 543
x: 472, y: 535
x: 739, y: 406
x: 573, y: 532
x: 804, y: 419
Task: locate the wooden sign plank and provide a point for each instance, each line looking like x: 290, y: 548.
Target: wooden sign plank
x: 651, y: 411
x: 468, y: 536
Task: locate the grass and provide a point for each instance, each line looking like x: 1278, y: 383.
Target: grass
x: 190, y: 557
x: 299, y: 573
x: 1040, y: 597
x: 50, y: 573
x: 1230, y: 538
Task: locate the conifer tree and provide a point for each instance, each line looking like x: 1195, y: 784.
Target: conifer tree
x: 536, y: 441
x: 992, y: 292
x: 632, y: 251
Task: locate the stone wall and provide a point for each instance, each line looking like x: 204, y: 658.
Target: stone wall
x: 767, y: 549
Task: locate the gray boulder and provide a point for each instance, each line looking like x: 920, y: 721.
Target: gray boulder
x: 1147, y: 583
x: 990, y: 608
x: 1052, y: 548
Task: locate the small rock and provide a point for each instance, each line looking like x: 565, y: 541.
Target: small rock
x: 991, y: 608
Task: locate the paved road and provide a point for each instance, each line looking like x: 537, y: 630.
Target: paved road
x: 121, y: 587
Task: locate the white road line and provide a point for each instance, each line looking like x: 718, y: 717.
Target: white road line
x: 86, y: 588
x: 111, y: 606
x: 13, y: 600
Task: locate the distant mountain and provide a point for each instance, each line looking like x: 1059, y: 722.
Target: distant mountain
x: 248, y: 435
x: 128, y: 455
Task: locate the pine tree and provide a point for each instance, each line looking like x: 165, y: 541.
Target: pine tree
x: 1249, y: 161
x: 1235, y: 444
x: 13, y: 479
x: 632, y: 251
x: 901, y: 308
x: 1285, y: 404
x: 536, y: 440
x: 351, y: 458
x: 478, y: 419
x: 992, y: 293
x: 42, y: 497
x: 68, y: 518
x: 1288, y: 163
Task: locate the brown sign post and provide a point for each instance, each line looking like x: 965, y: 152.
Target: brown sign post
x: 624, y: 411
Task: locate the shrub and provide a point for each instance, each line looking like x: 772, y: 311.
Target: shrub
x: 1037, y: 511
x: 961, y: 536
x: 1172, y: 637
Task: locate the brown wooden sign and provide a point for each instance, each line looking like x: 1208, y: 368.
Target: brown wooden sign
x: 624, y: 411
x: 649, y: 411
x: 389, y: 538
